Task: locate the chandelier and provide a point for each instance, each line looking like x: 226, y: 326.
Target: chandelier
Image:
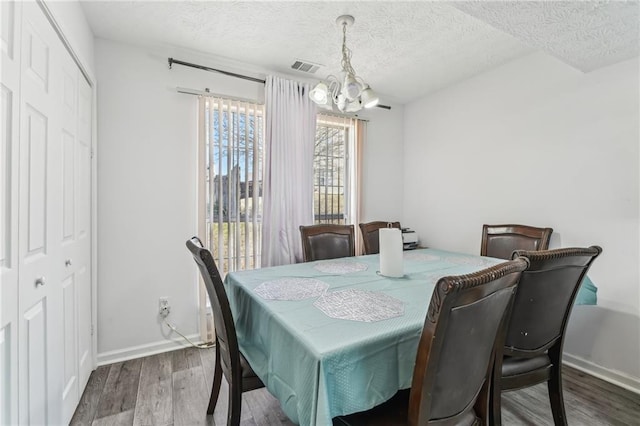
x: 350, y: 94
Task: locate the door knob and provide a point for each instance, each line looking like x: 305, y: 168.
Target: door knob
x: 39, y: 281
x: 67, y: 262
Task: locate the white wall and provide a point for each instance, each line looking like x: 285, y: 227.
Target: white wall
x: 537, y: 142
x: 382, y: 177
x: 147, y: 189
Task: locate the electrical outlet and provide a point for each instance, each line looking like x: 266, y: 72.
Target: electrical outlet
x: 164, y: 308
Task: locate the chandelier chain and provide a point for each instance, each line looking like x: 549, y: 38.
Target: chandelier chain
x: 346, y: 53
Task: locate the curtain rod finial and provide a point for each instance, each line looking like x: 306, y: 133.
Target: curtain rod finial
x: 170, y: 60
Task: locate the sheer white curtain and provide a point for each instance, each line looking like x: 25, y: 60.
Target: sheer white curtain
x: 355, y: 179
x: 290, y: 129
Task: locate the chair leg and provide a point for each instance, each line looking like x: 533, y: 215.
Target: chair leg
x: 495, y: 396
x: 235, y: 404
x: 495, y: 407
x: 555, y: 388
x: 217, y: 382
x: 482, y: 405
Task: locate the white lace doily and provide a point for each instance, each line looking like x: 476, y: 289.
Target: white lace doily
x: 291, y: 289
x: 421, y: 257
x: 340, y: 267
x: 359, y: 305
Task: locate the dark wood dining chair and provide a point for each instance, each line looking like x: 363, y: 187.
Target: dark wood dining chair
x: 532, y: 351
x: 465, y: 323
x: 327, y: 241
x: 501, y: 240
x: 229, y: 360
x: 371, y: 235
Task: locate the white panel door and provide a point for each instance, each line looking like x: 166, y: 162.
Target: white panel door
x: 9, y: 143
x: 82, y: 261
x: 40, y: 194
x: 68, y: 108
x: 75, y: 109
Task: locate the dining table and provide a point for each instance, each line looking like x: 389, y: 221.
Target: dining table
x: 335, y: 337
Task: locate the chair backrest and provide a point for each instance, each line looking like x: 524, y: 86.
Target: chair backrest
x: 226, y: 338
x: 371, y: 235
x: 502, y: 240
x: 544, y: 298
x: 327, y: 241
x: 465, y: 323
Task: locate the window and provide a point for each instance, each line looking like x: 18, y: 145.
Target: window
x: 334, y: 170
x: 233, y: 133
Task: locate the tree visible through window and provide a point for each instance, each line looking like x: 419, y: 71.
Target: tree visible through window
x: 234, y: 134
x: 330, y: 170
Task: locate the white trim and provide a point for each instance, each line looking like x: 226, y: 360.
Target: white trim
x: 615, y: 377
x: 65, y: 41
x: 145, y: 350
x: 94, y: 226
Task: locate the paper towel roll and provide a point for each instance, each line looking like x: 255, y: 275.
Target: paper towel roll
x: 391, y: 264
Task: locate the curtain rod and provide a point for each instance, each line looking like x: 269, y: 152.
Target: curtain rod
x: 202, y: 67
x: 231, y: 74
x: 207, y: 92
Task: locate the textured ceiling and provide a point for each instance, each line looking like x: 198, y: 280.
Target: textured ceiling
x: 404, y: 50
x: 586, y: 34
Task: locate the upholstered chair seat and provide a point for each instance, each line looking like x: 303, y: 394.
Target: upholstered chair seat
x: 514, y: 366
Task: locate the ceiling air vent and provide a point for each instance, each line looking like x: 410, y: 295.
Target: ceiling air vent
x: 305, y: 66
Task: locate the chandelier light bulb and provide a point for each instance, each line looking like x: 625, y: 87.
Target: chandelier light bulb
x: 351, y: 88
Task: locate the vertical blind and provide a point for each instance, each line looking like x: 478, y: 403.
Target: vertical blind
x: 231, y: 134
x: 233, y: 162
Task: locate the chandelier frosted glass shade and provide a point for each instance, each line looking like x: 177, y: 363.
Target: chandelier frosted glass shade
x: 350, y: 94
x: 368, y: 98
x: 320, y: 94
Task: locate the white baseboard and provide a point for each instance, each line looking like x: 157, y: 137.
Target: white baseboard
x: 611, y: 376
x: 145, y: 350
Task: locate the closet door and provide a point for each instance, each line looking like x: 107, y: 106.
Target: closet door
x: 40, y: 230
x: 83, y: 241
x: 9, y: 133
x: 75, y: 108
x: 68, y: 136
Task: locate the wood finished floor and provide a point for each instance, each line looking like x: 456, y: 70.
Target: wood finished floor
x: 173, y: 389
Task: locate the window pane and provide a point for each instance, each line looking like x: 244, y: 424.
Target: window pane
x: 329, y: 173
x: 234, y: 195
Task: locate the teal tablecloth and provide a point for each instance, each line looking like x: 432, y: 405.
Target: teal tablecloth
x: 587, y: 295
x: 320, y: 367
